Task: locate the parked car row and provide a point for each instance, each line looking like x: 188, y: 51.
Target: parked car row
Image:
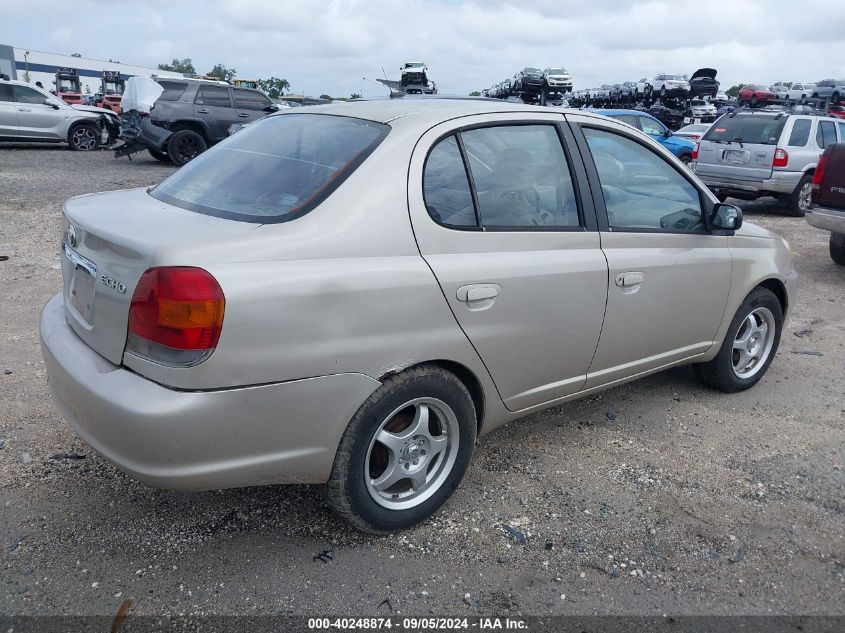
x: 531, y: 82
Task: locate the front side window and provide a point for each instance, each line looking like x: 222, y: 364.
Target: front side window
x: 642, y: 191
x: 522, y: 177
x: 274, y: 170
x: 630, y: 119
x: 446, y: 187
x: 650, y: 126
x: 213, y: 96
x: 5, y: 92
x: 825, y: 134
x: 800, y: 133
x: 250, y: 100
x: 27, y: 95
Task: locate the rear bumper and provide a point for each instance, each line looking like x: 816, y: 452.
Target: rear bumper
x: 780, y: 182
x: 198, y: 440
x: 832, y: 220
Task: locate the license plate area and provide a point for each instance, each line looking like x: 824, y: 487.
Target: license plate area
x: 736, y: 156
x: 81, y: 290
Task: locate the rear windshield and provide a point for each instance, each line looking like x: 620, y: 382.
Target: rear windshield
x: 762, y: 130
x: 274, y: 170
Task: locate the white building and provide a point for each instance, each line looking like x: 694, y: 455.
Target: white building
x: 32, y: 66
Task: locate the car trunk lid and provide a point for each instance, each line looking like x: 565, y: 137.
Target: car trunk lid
x: 110, y: 241
x: 740, y: 148
x: 710, y: 73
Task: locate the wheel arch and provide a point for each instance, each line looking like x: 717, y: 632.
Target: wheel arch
x: 777, y: 288
x: 190, y: 124
x: 464, y: 374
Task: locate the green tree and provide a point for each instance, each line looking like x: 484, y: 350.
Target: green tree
x: 355, y: 95
x: 475, y: 93
x: 733, y: 91
x: 273, y: 87
x: 184, y: 66
x: 221, y: 72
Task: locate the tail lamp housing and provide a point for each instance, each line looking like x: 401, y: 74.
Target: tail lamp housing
x: 695, y: 151
x: 781, y: 158
x: 176, y: 316
x: 818, y: 177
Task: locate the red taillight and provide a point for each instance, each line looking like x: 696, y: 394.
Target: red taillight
x: 818, y: 176
x: 781, y: 158
x: 695, y: 151
x: 176, y: 315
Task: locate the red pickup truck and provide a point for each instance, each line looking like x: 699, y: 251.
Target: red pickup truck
x: 828, y: 199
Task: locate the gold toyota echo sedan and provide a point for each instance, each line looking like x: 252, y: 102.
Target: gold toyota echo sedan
x: 350, y: 295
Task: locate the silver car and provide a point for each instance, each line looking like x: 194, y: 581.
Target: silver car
x: 31, y: 114
x: 351, y: 295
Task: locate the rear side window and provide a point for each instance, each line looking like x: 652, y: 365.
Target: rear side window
x: 5, y: 92
x: 800, y: 133
x: 250, y: 100
x: 760, y: 130
x: 522, y: 177
x: 173, y: 90
x: 213, y: 96
x: 825, y: 134
x: 274, y: 170
x: 445, y: 186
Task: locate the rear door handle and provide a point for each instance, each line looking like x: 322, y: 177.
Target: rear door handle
x: 478, y: 292
x: 243, y: 115
x: 24, y: 110
x: 626, y: 280
x: 203, y: 111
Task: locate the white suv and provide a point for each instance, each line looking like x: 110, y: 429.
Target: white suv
x: 31, y: 114
x: 557, y: 79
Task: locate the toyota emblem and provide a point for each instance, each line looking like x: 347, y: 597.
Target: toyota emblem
x: 70, y: 236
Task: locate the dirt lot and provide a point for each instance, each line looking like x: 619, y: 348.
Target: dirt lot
x: 660, y: 497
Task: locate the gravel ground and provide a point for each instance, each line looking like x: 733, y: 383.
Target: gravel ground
x: 657, y: 497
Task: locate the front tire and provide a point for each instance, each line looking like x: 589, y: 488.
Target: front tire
x: 83, y: 137
x: 837, y: 248
x: 404, y: 452
x: 749, y: 347
x: 686, y: 159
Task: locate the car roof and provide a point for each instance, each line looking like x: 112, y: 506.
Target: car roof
x: 425, y: 110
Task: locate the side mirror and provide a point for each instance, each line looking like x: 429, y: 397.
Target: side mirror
x: 726, y: 216
x: 51, y: 103
x: 272, y: 108
x: 667, y: 133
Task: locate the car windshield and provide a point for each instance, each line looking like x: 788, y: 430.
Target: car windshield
x: 673, y: 77
x: 531, y: 70
x: 557, y: 71
x: 274, y: 170
x: 763, y: 130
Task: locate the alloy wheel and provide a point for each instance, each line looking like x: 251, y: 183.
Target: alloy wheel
x: 753, y: 342
x: 805, y: 196
x: 412, y: 453
x: 84, y: 139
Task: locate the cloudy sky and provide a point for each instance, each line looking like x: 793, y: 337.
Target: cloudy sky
x: 328, y: 46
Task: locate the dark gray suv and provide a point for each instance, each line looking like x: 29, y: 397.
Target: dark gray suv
x: 199, y: 113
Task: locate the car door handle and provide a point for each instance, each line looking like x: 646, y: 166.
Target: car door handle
x: 243, y: 115
x: 626, y: 280
x: 478, y: 292
x: 202, y: 111
x: 24, y: 110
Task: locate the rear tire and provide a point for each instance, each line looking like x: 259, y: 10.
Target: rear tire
x: 686, y: 159
x: 185, y: 145
x: 760, y: 307
x: 363, y: 460
x: 837, y: 248
x: 83, y: 137
x: 162, y: 156
x: 798, y: 201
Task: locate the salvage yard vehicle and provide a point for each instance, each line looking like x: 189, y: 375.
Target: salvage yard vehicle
x: 693, y: 131
x: 751, y: 154
x: 670, y: 85
x: 681, y: 147
x: 800, y: 91
x: 557, y: 80
x: 195, y: 114
x: 703, y: 83
x: 833, y: 89
x: 528, y: 80
x: 349, y: 296
x: 29, y: 114
x: 754, y: 95
x: 827, y: 211
x: 702, y: 110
